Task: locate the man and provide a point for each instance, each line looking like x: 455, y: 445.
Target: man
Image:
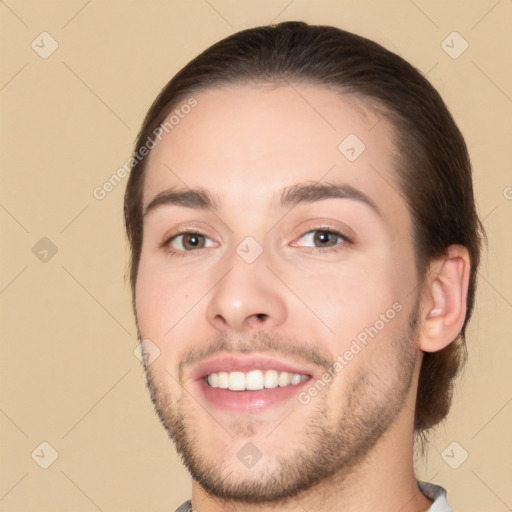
x: 304, y: 245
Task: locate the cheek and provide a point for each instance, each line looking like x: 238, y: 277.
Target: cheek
x: 351, y: 297
x: 163, y: 314
x: 159, y: 302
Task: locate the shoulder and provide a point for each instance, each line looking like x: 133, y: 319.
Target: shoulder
x: 437, y: 494
x: 184, y: 507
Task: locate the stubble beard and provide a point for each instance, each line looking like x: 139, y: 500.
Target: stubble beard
x: 329, y: 448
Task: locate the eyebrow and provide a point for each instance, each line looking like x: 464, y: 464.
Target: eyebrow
x: 310, y: 193
x: 202, y: 199
x: 197, y: 198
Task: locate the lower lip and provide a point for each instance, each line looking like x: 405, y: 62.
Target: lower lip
x: 249, y: 401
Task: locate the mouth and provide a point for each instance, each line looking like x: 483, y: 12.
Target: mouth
x: 249, y: 384
x: 255, y: 380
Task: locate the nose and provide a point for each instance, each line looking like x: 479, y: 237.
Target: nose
x: 247, y: 298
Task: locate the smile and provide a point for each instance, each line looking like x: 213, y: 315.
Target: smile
x: 244, y: 384
x: 254, y: 380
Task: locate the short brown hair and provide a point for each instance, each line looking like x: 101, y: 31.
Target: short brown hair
x: 433, y: 169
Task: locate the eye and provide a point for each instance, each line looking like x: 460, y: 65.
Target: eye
x: 321, y: 238
x: 187, y: 241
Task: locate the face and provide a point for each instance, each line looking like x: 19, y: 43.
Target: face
x: 277, y: 283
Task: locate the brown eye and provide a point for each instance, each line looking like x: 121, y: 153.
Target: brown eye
x: 188, y: 241
x: 322, y: 238
x: 193, y: 241
x: 325, y: 238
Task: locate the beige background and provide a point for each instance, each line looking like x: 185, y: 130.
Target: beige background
x: 68, y: 373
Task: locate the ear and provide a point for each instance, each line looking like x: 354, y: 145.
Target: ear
x: 444, y: 298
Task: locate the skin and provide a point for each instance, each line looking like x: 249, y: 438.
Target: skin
x: 349, y: 448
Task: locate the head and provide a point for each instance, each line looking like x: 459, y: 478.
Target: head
x: 385, y: 167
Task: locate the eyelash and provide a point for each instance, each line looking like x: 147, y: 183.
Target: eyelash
x: 315, y: 250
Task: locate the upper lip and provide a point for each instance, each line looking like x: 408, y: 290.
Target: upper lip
x: 240, y: 363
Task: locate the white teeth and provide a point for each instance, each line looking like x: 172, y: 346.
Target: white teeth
x: 213, y: 380
x: 271, y: 379
x: 285, y: 379
x: 236, y: 381
x: 223, y: 380
x: 254, y: 380
x: 296, y: 378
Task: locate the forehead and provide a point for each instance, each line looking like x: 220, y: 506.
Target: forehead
x: 243, y: 143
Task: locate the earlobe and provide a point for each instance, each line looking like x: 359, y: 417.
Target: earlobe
x: 444, y: 299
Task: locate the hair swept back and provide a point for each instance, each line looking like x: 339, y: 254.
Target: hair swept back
x: 433, y: 166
